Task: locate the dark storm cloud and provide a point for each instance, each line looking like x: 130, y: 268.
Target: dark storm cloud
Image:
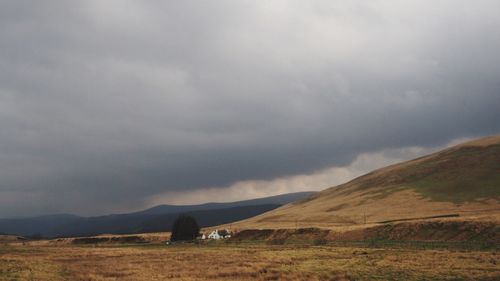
x: 105, y: 103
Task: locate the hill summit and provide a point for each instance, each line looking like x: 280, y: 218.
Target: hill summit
x: 460, y: 181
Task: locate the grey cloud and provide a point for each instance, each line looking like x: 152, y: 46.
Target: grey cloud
x: 106, y: 103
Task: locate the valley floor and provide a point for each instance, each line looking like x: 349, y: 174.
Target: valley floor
x: 257, y: 261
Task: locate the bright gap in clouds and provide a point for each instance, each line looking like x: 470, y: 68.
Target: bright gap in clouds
x: 317, y: 181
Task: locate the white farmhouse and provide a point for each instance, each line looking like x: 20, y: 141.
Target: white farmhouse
x: 219, y: 234
x: 214, y: 235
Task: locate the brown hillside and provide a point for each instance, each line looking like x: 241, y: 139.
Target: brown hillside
x: 459, y: 182
x: 5, y: 239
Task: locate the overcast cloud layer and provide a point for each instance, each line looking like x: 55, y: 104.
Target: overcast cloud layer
x: 105, y: 105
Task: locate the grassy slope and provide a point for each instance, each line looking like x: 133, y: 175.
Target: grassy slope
x: 463, y: 180
x: 10, y: 238
x: 459, y: 174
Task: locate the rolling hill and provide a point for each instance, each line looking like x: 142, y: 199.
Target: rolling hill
x: 272, y: 200
x: 159, y: 218
x: 459, y: 182
x: 6, y: 239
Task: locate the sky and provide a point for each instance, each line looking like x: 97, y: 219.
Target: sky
x: 113, y: 106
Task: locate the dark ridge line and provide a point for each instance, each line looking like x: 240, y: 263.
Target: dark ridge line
x: 422, y: 218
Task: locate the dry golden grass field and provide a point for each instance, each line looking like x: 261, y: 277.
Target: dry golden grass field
x: 230, y: 261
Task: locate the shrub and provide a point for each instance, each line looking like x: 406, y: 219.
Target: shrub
x: 223, y: 232
x: 184, y: 228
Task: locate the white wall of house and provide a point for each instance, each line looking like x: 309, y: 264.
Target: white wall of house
x: 214, y: 235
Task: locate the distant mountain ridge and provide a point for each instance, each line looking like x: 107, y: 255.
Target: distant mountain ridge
x: 158, y: 218
x: 277, y: 199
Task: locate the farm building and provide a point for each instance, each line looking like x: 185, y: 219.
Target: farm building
x: 219, y: 234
